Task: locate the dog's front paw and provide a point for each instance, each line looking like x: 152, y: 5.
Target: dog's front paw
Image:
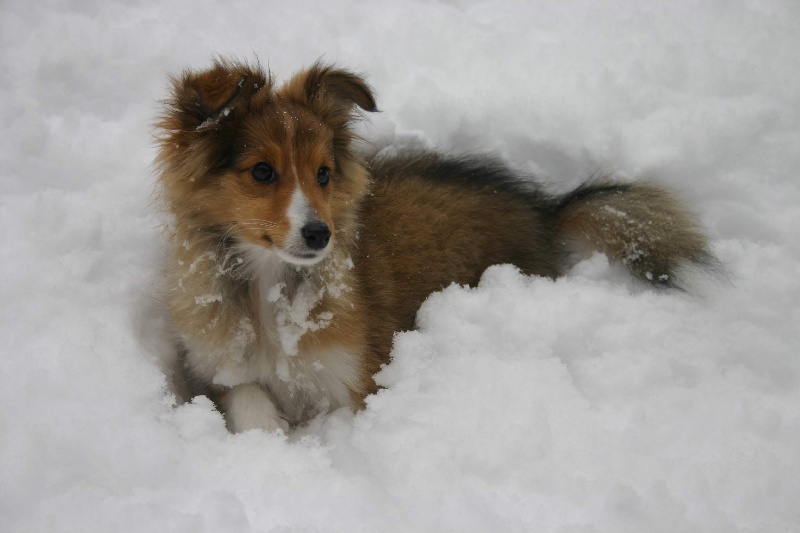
x: 248, y: 406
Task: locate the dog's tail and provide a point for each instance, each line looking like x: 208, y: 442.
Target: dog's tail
x: 641, y: 225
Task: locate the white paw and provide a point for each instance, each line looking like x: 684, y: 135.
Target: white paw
x: 248, y: 406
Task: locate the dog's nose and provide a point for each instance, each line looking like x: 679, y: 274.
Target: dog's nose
x: 316, y: 234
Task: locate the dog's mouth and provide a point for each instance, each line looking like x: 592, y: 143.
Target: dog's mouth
x: 298, y: 254
x: 300, y: 258
x: 307, y: 244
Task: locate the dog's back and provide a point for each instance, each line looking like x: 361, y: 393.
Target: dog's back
x: 432, y: 220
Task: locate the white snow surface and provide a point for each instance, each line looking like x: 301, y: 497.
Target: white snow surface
x: 586, y: 404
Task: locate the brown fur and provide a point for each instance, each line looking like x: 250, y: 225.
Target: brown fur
x: 642, y: 225
x: 401, y: 227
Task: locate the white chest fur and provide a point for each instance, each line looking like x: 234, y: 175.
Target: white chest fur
x: 302, y: 383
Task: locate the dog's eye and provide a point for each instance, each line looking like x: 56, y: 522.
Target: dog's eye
x: 263, y: 172
x: 323, y: 175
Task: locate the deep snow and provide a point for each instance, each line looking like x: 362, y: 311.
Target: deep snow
x: 585, y: 404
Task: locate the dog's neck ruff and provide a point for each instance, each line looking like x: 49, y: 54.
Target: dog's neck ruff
x: 285, y: 297
x: 291, y: 301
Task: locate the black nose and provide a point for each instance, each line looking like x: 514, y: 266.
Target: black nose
x: 316, y: 234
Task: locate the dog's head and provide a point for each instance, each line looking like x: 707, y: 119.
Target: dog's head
x: 265, y: 166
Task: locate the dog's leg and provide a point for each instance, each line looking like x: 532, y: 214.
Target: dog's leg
x: 248, y: 406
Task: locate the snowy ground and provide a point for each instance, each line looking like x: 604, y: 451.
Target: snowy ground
x: 586, y: 404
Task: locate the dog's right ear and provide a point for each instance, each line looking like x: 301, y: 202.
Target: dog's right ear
x: 202, y: 99
x: 202, y: 117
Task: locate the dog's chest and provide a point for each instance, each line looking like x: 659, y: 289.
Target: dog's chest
x: 302, y: 381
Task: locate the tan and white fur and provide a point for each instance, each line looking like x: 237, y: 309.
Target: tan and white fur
x: 294, y: 261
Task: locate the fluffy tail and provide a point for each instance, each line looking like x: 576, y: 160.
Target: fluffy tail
x: 641, y: 225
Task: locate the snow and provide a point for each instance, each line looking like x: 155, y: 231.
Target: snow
x: 589, y: 403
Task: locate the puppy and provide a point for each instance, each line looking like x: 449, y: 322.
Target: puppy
x: 294, y: 261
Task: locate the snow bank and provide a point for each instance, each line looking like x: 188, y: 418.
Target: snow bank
x: 585, y: 404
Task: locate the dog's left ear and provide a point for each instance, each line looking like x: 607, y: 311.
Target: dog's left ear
x: 330, y: 92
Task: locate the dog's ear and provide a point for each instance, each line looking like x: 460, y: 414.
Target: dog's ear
x: 330, y: 92
x: 324, y: 84
x: 204, y: 112
x: 204, y: 98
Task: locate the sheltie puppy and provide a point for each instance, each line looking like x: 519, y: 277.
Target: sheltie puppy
x: 294, y: 261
